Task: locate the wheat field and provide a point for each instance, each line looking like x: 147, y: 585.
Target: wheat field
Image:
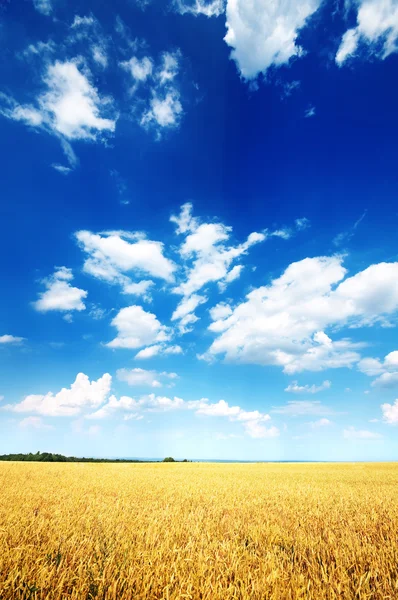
x: 195, y: 530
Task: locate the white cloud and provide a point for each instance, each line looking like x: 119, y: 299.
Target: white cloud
x: 207, y: 258
x: 34, y: 423
x: 233, y: 274
x: 387, y: 370
x: 169, y: 67
x: 139, y: 70
x: 62, y: 169
x: 295, y: 388
x: 149, y: 352
x: 172, y: 350
x: 348, y: 46
x: 252, y: 421
x: 283, y: 323
x: 390, y: 412
x: 10, y: 339
x: 302, y: 223
x: 71, y: 106
x: 97, y: 313
x: 186, y: 307
x: 39, y: 49
x: 137, y: 328
x: 220, y: 311
x: 60, y: 294
x: 160, y: 96
x: 208, y: 8
x: 43, y: 6
x: 88, y: 30
x: 351, y: 433
x: 140, y: 288
x: 386, y: 380
x: 157, y: 349
x: 185, y: 221
x: 113, y: 254
x: 264, y: 34
x: 145, y: 378
x: 299, y: 408
x: 68, y: 402
x: 377, y: 29
x: 82, y: 21
x: 164, y: 110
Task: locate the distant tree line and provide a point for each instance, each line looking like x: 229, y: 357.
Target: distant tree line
x: 50, y: 457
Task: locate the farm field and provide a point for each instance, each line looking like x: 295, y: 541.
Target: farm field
x: 197, y: 530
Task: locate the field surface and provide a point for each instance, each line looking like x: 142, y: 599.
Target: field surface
x: 192, y: 530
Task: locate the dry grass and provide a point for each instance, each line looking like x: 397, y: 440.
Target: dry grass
x: 210, y: 531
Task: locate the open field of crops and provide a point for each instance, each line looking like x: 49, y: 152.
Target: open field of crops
x: 210, y: 531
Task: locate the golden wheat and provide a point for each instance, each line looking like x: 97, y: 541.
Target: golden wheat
x: 209, y: 531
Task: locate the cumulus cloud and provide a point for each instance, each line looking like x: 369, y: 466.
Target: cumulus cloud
x: 208, y: 8
x: 253, y: 422
x: 295, y: 388
x: 264, y: 34
x: 142, y: 377
x: 71, y: 106
x: 137, y: 328
x: 207, y: 258
x: 154, y: 85
x: 390, y: 412
x: 351, y: 433
x: 283, y: 323
x: 376, y: 31
x: 60, y: 294
x: 10, y: 339
x: 112, y: 255
x: 71, y: 401
x: 149, y: 352
x: 387, y: 370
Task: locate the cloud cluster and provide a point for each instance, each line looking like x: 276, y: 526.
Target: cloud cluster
x: 283, y: 323
x: 208, y: 258
x: 70, y: 106
x: 60, y: 294
x: 376, y: 30
x: 142, y: 377
x: 83, y: 396
x: 264, y: 34
x: 112, y: 255
x: 295, y: 388
x: 390, y: 412
x: 156, y: 86
x: 387, y: 370
x: 136, y: 328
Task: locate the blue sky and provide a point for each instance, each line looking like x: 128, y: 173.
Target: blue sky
x: 198, y: 228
